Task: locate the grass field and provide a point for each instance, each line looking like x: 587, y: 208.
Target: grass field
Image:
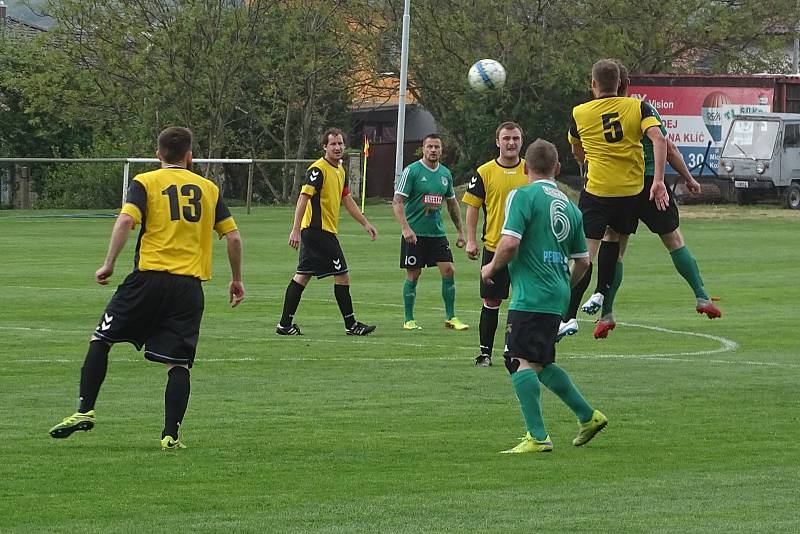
x: 399, y: 432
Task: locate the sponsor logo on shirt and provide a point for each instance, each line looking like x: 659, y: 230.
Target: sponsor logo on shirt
x: 435, y: 200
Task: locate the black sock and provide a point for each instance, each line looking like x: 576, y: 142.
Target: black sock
x: 290, y: 302
x: 176, y: 398
x: 92, y: 374
x: 607, y: 259
x: 576, y: 296
x: 487, y: 328
x: 342, y: 294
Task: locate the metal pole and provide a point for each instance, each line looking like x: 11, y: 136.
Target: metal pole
x: 401, y: 105
x: 249, y: 186
x: 796, y: 55
x: 125, y: 175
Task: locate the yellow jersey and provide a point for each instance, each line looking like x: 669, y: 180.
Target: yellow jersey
x: 489, y: 189
x: 178, y: 211
x: 610, y: 130
x: 326, y: 186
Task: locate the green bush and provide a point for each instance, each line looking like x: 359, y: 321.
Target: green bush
x: 81, y: 186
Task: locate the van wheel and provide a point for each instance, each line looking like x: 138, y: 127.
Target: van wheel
x: 793, y: 197
x: 745, y: 198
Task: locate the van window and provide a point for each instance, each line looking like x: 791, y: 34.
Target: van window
x: 791, y: 138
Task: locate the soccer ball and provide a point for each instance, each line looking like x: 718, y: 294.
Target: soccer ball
x: 487, y: 75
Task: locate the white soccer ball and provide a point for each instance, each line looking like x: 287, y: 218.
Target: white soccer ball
x: 487, y: 75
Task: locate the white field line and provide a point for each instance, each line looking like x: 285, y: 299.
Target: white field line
x: 725, y: 345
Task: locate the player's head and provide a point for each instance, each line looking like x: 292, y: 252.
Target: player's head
x: 508, y: 138
x: 541, y: 160
x: 605, y: 77
x: 175, y: 145
x: 333, y: 143
x: 624, y: 79
x: 432, y: 148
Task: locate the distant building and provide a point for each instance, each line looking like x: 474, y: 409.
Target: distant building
x: 16, y: 28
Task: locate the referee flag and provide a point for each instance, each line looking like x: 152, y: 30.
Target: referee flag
x: 364, y: 174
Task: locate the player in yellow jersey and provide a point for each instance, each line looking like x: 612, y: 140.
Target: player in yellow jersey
x: 488, y: 189
x: 316, y: 220
x: 606, y: 133
x: 160, y: 304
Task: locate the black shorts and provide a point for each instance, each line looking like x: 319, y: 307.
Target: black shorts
x: 158, y: 311
x: 532, y: 336
x: 501, y: 279
x: 320, y: 254
x: 659, y: 222
x: 598, y: 212
x: 427, y: 252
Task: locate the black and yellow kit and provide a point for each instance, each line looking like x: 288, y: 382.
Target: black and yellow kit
x: 159, y: 306
x: 610, y: 131
x: 177, y: 210
x: 326, y: 186
x: 489, y: 188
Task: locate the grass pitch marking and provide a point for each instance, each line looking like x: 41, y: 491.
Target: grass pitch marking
x: 725, y: 345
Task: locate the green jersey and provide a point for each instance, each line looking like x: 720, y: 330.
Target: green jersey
x: 647, y: 146
x: 550, y: 228
x: 425, y: 190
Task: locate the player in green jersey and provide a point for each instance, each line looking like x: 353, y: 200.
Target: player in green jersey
x: 419, y: 194
x: 542, y: 232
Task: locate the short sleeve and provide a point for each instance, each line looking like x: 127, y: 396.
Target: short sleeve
x: 573, y: 136
x: 657, y: 115
x: 578, y: 248
x: 450, y: 191
x: 517, y: 217
x: 650, y: 117
x: 476, y: 192
x: 223, y: 220
x: 313, y: 181
x: 405, y: 183
x: 136, y: 202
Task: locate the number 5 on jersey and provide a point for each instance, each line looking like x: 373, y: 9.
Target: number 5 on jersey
x: 612, y: 127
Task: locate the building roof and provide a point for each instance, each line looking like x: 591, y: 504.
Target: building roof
x: 20, y: 28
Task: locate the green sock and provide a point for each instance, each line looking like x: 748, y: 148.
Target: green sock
x: 409, y: 296
x: 527, y: 388
x: 608, y: 302
x: 557, y: 380
x: 686, y: 265
x: 449, y: 296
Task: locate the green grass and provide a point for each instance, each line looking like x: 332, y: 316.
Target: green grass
x: 399, y: 432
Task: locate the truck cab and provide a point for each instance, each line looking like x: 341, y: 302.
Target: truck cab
x: 761, y: 157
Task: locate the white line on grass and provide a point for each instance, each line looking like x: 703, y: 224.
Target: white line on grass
x: 726, y: 345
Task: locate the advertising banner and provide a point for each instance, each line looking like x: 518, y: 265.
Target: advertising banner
x: 695, y: 116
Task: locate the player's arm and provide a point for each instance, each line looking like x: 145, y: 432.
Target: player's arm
x: 675, y: 159
x: 651, y: 127
x: 399, y: 209
x: 402, y: 191
x: 225, y: 227
x: 236, y: 287
x: 351, y: 207
x: 455, y: 214
x: 474, y: 198
x: 576, y: 145
x: 299, y: 211
x: 579, y: 267
x: 578, y: 252
x: 517, y: 219
x: 119, y: 236
x: 506, y: 250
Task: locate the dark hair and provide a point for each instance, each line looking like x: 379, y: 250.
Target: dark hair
x: 605, y: 74
x: 431, y: 136
x: 332, y: 131
x: 541, y: 156
x: 624, y: 79
x: 174, y: 143
x: 508, y: 125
